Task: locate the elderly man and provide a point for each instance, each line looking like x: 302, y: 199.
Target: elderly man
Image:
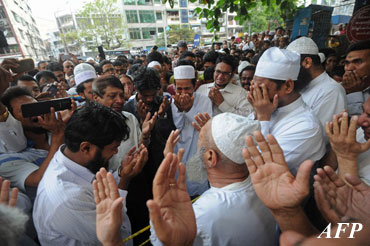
x: 225, y: 96
x: 280, y: 109
x: 185, y: 105
x: 356, y: 79
x: 229, y: 213
x: 323, y: 95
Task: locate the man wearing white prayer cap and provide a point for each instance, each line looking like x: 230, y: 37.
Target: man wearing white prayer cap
x: 226, y: 96
x: 84, y: 76
x: 156, y: 65
x: 323, y: 94
x: 280, y: 109
x: 185, y: 105
x: 229, y: 213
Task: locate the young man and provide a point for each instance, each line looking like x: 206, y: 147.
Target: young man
x: 84, y: 75
x: 30, y: 83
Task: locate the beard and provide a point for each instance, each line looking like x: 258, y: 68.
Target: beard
x: 195, y: 168
x: 304, y: 78
x: 97, y: 162
x: 36, y: 130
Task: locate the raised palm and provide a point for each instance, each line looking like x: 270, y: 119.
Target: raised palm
x: 273, y: 182
x: 171, y: 211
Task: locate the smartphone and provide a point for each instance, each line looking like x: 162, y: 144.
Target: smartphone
x: 40, y: 108
x: 25, y: 65
x: 101, y: 52
x: 53, y: 90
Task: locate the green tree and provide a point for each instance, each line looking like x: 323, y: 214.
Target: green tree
x: 213, y: 10
x: 180, y: 32
x: 101, y: 18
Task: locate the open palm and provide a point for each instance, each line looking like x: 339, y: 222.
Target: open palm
x: 273, y: 182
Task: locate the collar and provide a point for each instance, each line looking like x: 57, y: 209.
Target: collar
x: 237, y: 185
x: 74, y: 167
x: 292, y: 106
x: 318, y: 79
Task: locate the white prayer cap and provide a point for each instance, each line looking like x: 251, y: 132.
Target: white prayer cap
x: 242, y: 65
x: 271, y: 33
x: 254, y: 33
x: 90, y: 59
x: 322, y: 57
x: 84, y: 72
x: 246, y: 33
x: 229, y: 131
x: 279, y: 64
x: 154, y: 63
x: 304, y: 45
x: 184, y: 72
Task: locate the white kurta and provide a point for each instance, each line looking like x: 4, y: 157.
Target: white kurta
x: 232, y: 215
x: 235, y: 99
x: 188, y: 135
x: 12, y: 138
x: 325, y: 97
x: 126, y: 145
x: 363, y: 160
x: 298, y: 132
x: 64, y: 212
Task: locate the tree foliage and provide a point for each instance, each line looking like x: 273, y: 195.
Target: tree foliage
x: 101, y: 21
x: 213, y: 9
x: 176, y: 33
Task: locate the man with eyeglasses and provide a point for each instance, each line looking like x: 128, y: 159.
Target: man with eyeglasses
x: 225, y: 96
x: 107, y: 68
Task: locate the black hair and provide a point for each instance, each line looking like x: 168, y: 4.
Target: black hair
x: 96, y: 124
x: 40, y: 62
x: 267, y: 42
x: 14, y: 92
x: 208, y: 73
x: 100, y: 84
x: 81, y: 87
x: 248, y: 68
x: 122, y: 58
x: 186, y: 54
x: 130, y: 61
x: 33, y: 72
x: 166, y: 60
x: 249, y: 51
x: 143, y: 55
x: 147, y: 79
x: 360, y: 45
x: 338, y: 71
x: 105, y: 62
x: 182, y: 44
x: 210, y: 56
x: 138, y: 61
x: 200, y: 54
x: 227, y: 51
x: 55, y: 66
x: 117, y: 63
x: 134, y: 68
x: 26, y: 78
x: 229, y: 60
x: 315, y: 59
x: 45, y: 74
x: 155, y: 56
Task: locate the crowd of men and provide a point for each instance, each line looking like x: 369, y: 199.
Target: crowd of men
x: 255, y: 141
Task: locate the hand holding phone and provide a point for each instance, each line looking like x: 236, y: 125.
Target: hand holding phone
x: 40, y: 108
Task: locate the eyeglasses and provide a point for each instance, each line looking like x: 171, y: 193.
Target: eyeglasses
x: 225, y: 74
x: 111, y: 70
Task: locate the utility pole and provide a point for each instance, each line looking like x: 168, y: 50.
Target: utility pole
x: 164, y: 29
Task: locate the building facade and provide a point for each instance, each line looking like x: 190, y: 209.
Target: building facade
x: 20, y: 31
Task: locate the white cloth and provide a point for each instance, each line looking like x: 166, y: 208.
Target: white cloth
x: 249, y: 45
x: 188, y: 134
x: 126, y: 145
x: 235, y: 99
x: 64, y: 212
x: 12, y: 138
x: 325, y: 97
x: 232, y: 215
x: 363, y: 160
x: 356, y: 100
x: 298, y: 132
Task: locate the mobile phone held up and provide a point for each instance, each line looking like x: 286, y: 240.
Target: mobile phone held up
x: 40, y: 108
x: 52, y: 90
x: 25, y: 65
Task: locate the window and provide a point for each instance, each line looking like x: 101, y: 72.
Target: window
x: 158, y: 15
x: 129, y: 2
x: 183, y: 3
x: 144, y: 2
x: 134, y: 33
x: 16, y: 17
x: 21, y: 32
x: 148, y: 32
x: 184, y: 16
x: 2, y: 13
x: 173, y: 15
x: 160, y: 29
x: 146, y: 16
x: 131, y: 16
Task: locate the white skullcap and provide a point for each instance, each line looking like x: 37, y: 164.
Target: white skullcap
x: 90, y: 58
x: 304, y: 46
x: 229, y: 131
x: 84, y: 72
x: 322, y: 57
x: 246, y: 33
x: 154, y: 63
x: 184, y: 72
x: 254, y: 33
x: 271, y: 33
x: 278, y: 64
x: 242, y: 65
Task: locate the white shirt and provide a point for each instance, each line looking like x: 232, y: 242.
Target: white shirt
x: 325, y: 97
x: 248, y: 45
x: 126, y: 145
x: 363, y: 160
x: 64, y: 212
x: 235, y: 99
x: 232, y: 215
x: 188, y: 134
x: 356, y: 100
x: 12, y: 138
x: 298, y: 132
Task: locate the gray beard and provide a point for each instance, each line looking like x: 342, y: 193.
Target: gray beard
x: 195, y: 168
